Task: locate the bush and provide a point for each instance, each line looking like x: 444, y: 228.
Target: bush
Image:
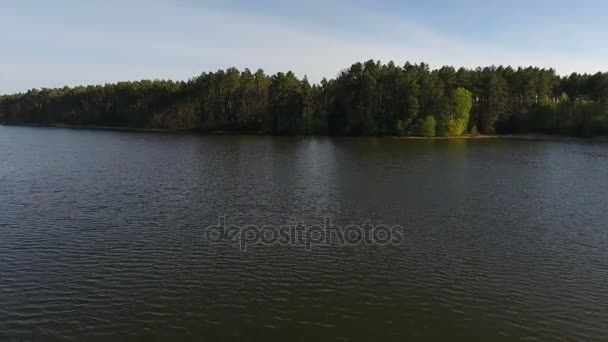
x: 474, y: 131
x: 402, y: 127
x: 426, y: 127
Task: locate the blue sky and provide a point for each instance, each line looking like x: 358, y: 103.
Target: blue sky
x: 71, y: 42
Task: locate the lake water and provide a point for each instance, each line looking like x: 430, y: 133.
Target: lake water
x: 102, y: 237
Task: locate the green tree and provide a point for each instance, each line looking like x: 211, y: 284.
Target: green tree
x: 493, y: 99
x: 367, y: 98
x: 426, y: 126
x: 456, y: 120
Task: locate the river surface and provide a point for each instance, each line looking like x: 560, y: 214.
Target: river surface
x: 103, y: 237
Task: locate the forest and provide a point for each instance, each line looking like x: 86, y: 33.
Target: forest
x: 369, y: 98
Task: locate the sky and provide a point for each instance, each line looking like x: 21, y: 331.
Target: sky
x: 77, y: 42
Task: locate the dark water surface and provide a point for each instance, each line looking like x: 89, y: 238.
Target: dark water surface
x: 102, y: 238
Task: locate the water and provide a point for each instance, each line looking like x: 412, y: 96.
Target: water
x: 102, y: 237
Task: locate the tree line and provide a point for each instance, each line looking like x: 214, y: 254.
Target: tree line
x: 368, y: 98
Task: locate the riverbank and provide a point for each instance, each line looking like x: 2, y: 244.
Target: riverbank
x: 97, y: 128
x: 532, y: 136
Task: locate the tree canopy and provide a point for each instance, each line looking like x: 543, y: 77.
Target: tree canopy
x: 455, y: 118
x: 367, y: 98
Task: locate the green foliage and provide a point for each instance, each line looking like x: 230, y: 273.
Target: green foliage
x: 456, y: 120
x: 544, y: 118
x: 402, y: 127
x: 474, y: 131
x: 426, y: 127
x: 368, y: 98
x: 493, y: 103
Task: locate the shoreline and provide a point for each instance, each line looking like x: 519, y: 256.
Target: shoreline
x: 523, y: 136
x: 92, y: 127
